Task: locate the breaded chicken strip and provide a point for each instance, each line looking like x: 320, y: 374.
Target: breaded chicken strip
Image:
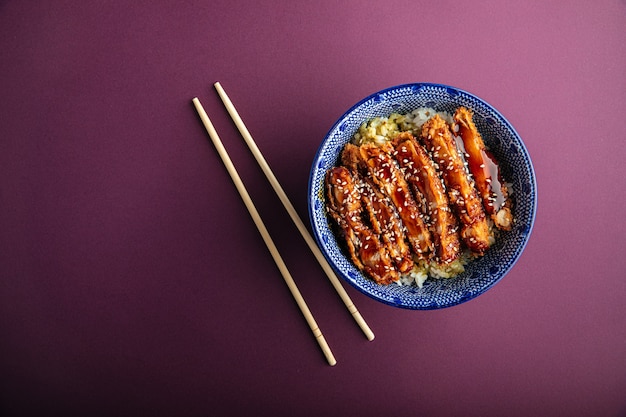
x: 485, y: 170
x: 461, y: 192
x: 368, y: 253
x: 385, y: 221
x: 377, y: 162
x: 420, y: 172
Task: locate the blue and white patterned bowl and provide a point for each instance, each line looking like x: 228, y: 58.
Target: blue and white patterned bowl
x: 506, y: 145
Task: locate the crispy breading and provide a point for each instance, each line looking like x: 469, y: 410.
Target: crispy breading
x: 461, y: 192
x: 366, y: 250
x: 384, y: 172
x: 485, y: 170
x: 420, y: 172
x: 385, y: 221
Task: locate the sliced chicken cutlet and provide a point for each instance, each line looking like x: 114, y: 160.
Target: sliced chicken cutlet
x: 485, y: 170
x: 420, y: 172
x: 378, y: 165
x: 385, y: 221
x: 461, y: 192
x: 366, y: 250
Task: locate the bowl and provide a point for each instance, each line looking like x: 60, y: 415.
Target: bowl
x: 505, y: 144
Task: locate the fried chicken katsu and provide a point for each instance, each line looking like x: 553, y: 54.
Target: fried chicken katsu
x: 366, y: 250
x: 420, y: 172
x: 377, y: 163
x: 404, y: 202
x: 461, y: 192
x: 485, y: 170
x: 385, y: 221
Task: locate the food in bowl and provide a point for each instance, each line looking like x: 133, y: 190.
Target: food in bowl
x: 481, y: 273
x: 417, y: 195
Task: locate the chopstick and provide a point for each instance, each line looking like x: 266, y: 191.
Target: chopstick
x: 292, y: 212
x: 264, y: 233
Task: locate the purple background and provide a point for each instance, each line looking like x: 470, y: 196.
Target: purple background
x: 133, y: 281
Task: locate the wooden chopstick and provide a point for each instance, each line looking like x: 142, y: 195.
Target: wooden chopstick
x: 292, y: 212
x: 264, y: 233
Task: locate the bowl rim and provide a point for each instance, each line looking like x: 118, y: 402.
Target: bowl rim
x: 509, y: 126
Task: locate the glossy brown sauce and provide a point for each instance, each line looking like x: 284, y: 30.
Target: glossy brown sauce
x: 492, y: 172
x: 486, y: 173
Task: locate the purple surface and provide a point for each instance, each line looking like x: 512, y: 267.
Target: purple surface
x: 133, y: 281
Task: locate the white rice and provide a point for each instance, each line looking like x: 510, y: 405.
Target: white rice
x: 382, y: 129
